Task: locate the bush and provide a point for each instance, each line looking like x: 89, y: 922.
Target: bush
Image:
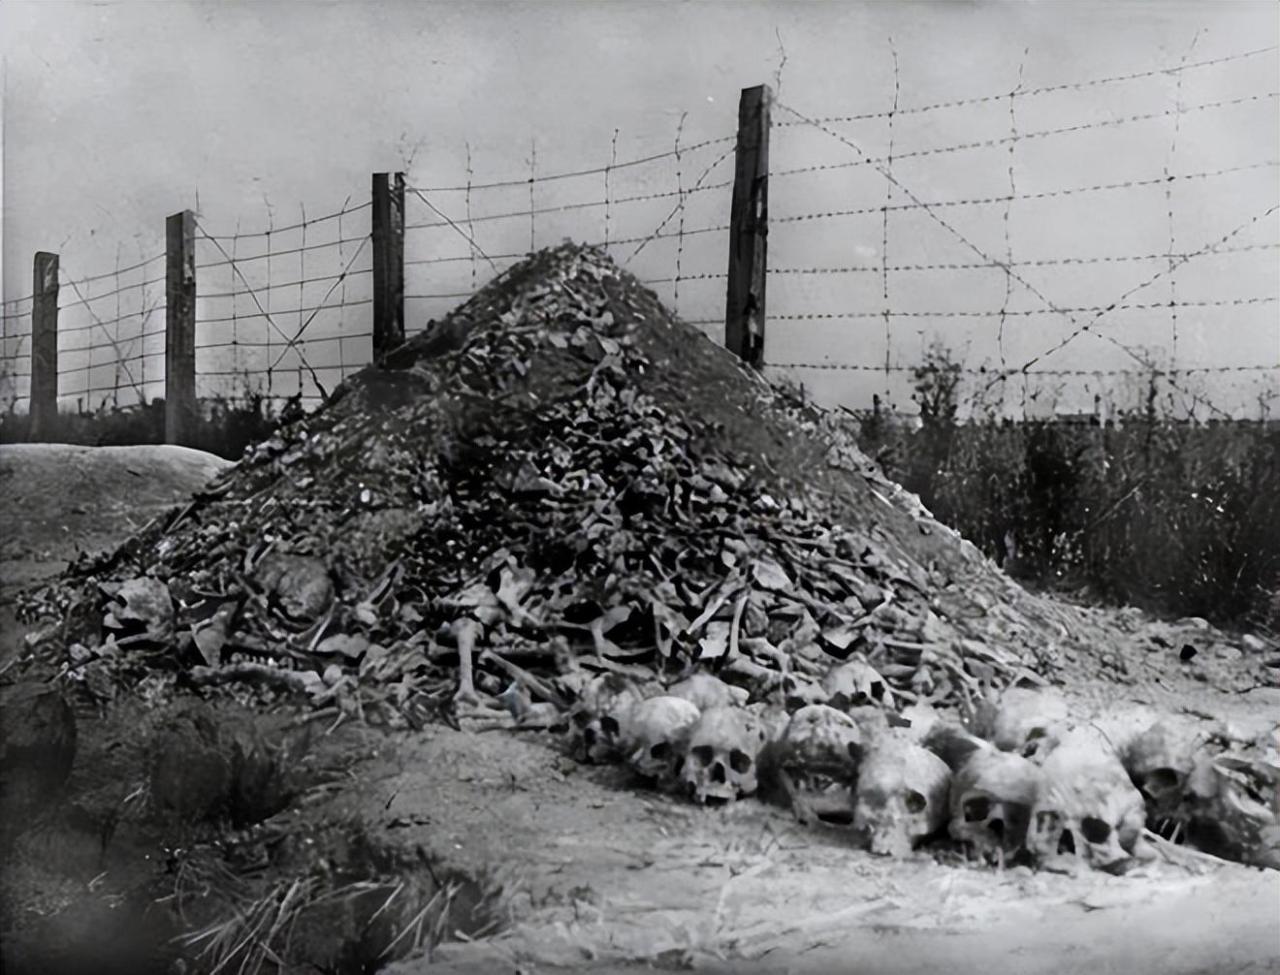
x: 1178, y: 517
x: 225, y: 425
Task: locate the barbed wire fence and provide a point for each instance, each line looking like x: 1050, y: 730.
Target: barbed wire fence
x: 979, y: 301
x: 287, y: 312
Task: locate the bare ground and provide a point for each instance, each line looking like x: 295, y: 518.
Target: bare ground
x: 594, y: 873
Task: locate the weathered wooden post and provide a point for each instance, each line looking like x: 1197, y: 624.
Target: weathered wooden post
x: 388, y: 263
x: 44, y: 346
x: 180, y: 328
x: 744, y: 318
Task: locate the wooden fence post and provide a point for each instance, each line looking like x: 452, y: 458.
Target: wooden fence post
x: 44, y: 346
x: 180, y: 328
x: 748, y: 229
x: 388, y: 263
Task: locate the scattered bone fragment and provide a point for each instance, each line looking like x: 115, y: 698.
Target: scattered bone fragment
x: 465, y: 633
x: 707, y: 691
x: 855, y: 683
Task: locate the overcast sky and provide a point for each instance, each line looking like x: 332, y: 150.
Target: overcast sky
x: 119, y: 113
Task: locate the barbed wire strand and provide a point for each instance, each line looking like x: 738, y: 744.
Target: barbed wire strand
x: 1158, y: 181
x: 1048, y: 89
x: 675, y: 287
x: 462, y: 233
x: 264, y: 312
x: 1019, y: 278
x: 319, y: 308
x: 613, y: 161
x: 76, y: 287
x: 884, y: 222
x: 679, y: 207
x: 573, y: 174
x: 867, y: 160
x: 1008, y: 211
x: 345, y: 210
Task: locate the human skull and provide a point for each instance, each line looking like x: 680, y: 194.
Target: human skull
x: 855, y: 683
x: 1160, y: 761
x: 655, y: 735
x: 706, y: 691
x: 1022, y: 719
x: 1235, y: 806
x: 141, y: 606
x: 991, y: 799
x: 1085, y: 807
x: 597, y: 720
x: 901, y: 795
x: 721, y: 760
x: 799, y: 692
x: 818, y: 762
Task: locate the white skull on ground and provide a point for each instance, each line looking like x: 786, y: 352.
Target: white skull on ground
x: 991, y: 799
x: 1022, y: 719
x: 901, y: 795
x: 1160, y: 761
x: 655, y: 735
x: 706, y: 691
x: 799, y: 692
x: 141, y: 606
x: 855, y: 683
x: 597, y: 720
x: 721, y: 760
x: 817, y: 761
x: 1086, y: 809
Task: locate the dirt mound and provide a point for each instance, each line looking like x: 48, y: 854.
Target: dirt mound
x: 564, y: 462
x: 61, y: 499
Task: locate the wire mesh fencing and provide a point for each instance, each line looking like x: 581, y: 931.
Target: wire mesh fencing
x: 1052, y: 248
x: 1047, y: 249
x: 662, y: 215
x: 284, y: 312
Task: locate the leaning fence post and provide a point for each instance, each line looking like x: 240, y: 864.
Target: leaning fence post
x: 388, y: 263
x: 180, y: 328
x: 744, y: 317
x: 44, y: 346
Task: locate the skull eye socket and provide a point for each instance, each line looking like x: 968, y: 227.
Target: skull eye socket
x: 854, y: 750
x: 1160, y: 782
x: 740, y: 761
x: 977, y: 809
x: 915, y: 802
x: 1095, y: 830
x: 703, y: 753
x: 610, y: 725
x: 661, y: 751
x: 582, y: 718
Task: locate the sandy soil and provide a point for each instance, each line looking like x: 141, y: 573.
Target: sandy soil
x: 598, y: 875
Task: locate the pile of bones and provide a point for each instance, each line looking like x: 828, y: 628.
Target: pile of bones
x: 511, y: 519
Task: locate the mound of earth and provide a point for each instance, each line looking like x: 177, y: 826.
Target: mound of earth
x: 558, y: 480
x: 564, y: 463
x: 62, y: 499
